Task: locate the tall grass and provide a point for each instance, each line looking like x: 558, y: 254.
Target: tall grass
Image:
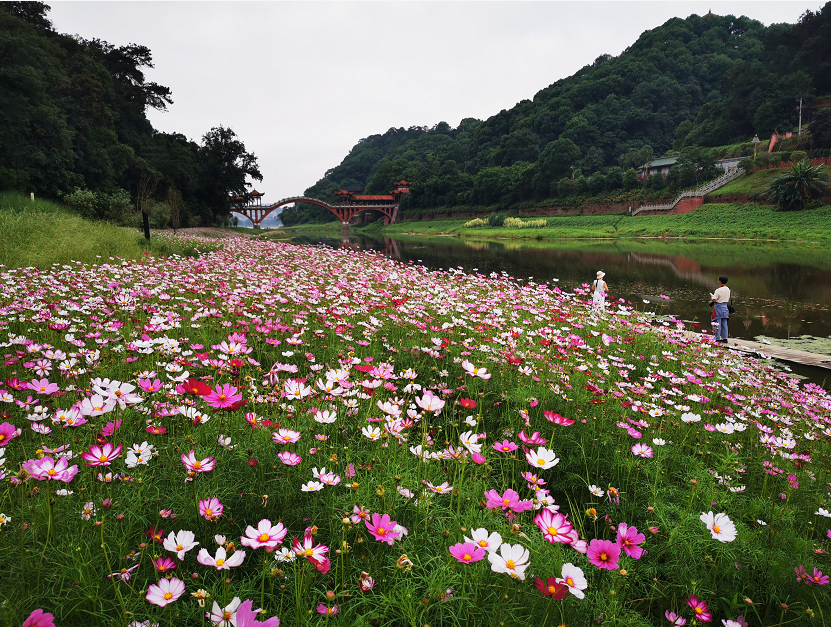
x: 40, y: 233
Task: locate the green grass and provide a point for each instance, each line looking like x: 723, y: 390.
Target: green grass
x: 753, y: 184
x: 746, y: 221
x: 41, y: 233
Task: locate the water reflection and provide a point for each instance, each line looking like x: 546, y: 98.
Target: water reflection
x: 779, y: 290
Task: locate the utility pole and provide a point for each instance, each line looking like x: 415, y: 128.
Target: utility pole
x: 799, y: 134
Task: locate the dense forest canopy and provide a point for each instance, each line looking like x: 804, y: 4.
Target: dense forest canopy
x: 701, y: 81
x: 73, y: 125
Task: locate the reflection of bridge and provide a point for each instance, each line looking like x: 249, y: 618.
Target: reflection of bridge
x: 389, y: 249
x: 349, y: 205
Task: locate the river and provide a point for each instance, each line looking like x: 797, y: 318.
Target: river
x: 781, y: 292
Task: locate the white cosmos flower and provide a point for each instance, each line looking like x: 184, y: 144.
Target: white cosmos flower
x: 470, y: 441
x: 512, y: 560
x: 720, y: 526
x: 596, y: 491
x: 488, y: 541
x: 373, y: 433
x: 311, y: 486
x: 542, y: 458
x: 823, y: 512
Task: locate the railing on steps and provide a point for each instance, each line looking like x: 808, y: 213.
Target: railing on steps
x: 705, y: 189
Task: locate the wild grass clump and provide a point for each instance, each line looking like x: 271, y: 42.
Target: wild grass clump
x: 516, y: 223
x: 332, y: 427
x: 475, y: 222
x: 42, y: 233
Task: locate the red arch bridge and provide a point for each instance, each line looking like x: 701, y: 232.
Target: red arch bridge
x: 344, y: 212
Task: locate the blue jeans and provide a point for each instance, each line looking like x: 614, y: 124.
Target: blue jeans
x: 723, y: 316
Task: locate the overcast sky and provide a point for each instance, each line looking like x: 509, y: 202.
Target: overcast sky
x: 301, y: 82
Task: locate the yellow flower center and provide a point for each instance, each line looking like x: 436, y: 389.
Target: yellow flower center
x: 51, y: 472
x: 102, y: 458
x: 552, y: 589
x: 604, y: 557
x: 197, y: 465
x: 467, y: 557
x: 264, y: 537
x: 716, y: 528
x: 179, y: 547
x: 541, y: 462
x: 483, y: 543
x: 208, y: 511
x: 380, y: 531
x: 698, y: 610
x: 227, y: 615
x: 552, y: 531
x: 510, y: 564
x: 220, y: 562
x: 506, y: 502
x: 570, y: 582
x: 308, y: 553
x: 168, y: 596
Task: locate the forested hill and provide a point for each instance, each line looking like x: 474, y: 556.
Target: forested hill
x: 73, y: 126
x: 701, y: 81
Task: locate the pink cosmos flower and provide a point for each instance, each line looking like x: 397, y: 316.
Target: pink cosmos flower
x: 247, y: 617
x: 535, y: 439
x: 110, y: 428
x: 382, y: 528
x: 221, y: 561
x: 7, y: 433
x: 674, y: 619
x: 166, y: 591
x: 642, y: 450
x: 164, y: 564
x: 508, y: 500
x: 327, y: 609
x: 430, y: 402
x: 817, y: 577
x: 478, y: 458
x: 39, y: 618
x: 265, y: 535
x: 224, y: 396
x: 43, y: 386
x: 702, y: 612
x: 48, y: 468
x: 359, y: 514
x: 289, y: 458
x: 628, y: 538
x: 211, y: 509
x: 557, y: 419
x: 554, y: 526
x: 286, y: 436
x: 316, y: 554
x: 603, y: 554
x: 195, y: 465
x: 366, y: 582
x: 467, y: 552
x: 149, y: 385
x: 506, y: 446
x: 102, y: 456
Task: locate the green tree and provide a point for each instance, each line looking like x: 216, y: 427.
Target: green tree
x: 555, y: 162
x: 821, y: 128
x: 694, y: 167
x: 225, y: 168
x: 630, y: 179
x: 793, y: 190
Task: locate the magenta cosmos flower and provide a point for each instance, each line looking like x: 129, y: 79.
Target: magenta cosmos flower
x: 628, y: 538
x: 702, y: 612
x: 197, y: 465
x: 247, y: 617
x: 7, y: 433
x: 102, y: 456
x: 508, y: 500
x: 506, y: 446
x: 166, y: 591
x: 265, y: 535
x: 39, y: 618
x: 289, y: 458
x: 603, y: 554
x: 467, y: 552
x: 211, y: 509
x: 327, y: 609
x: 382, y: 528
x: 316, y: 554
x: 554, y: 526
x: 224, y: 396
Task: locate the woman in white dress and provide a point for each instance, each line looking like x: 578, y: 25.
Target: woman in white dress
x: 600, y: 290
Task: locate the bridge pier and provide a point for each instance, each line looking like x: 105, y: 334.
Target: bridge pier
x: 344, y: 229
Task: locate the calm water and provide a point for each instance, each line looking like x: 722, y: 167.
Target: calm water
x: 780, y: 291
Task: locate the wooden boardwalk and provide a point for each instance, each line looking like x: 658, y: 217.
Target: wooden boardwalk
x: 780, y: 352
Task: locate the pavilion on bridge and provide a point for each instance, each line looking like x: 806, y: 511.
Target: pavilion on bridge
x: 349, y: 197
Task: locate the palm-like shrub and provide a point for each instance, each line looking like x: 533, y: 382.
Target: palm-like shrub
x: 793, y: 190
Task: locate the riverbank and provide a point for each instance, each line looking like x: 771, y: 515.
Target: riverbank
x: 716, y: 220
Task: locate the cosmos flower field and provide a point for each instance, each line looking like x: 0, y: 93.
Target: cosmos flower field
x: 274, y: 434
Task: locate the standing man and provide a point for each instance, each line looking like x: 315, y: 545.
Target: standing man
x: 720, y: 299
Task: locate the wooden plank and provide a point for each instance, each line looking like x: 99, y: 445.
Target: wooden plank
x: 769, y: 350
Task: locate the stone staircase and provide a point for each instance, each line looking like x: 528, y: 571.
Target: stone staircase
x: 702, y: 191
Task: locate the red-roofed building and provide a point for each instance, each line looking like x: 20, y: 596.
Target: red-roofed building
x: 347, y: 197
